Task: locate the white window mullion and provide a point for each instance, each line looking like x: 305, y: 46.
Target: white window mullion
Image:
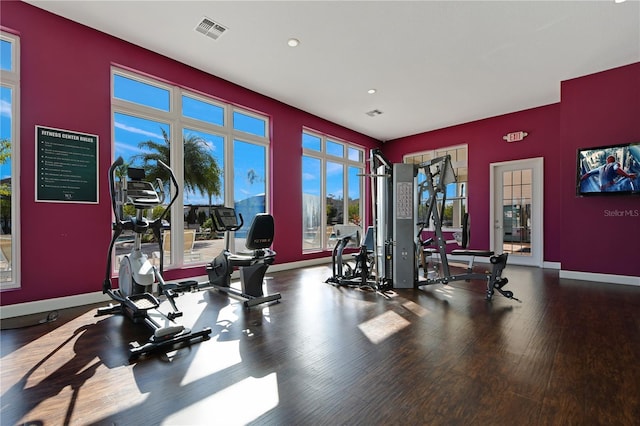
x: 229, y: 194
x: 10, y: 79
x: 323, y: 201
x: 229, y: 142
x: 176, y: 156
x: 345, y: 193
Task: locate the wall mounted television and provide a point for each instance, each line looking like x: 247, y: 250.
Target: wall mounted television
x: 609, y: 170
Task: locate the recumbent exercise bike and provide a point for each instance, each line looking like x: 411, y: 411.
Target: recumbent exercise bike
x: 252, y: 266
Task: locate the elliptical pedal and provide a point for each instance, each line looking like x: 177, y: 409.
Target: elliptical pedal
x: 168, y: 332
x: 144, y: 301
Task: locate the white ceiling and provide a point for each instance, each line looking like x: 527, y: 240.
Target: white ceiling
x: 434, y: 63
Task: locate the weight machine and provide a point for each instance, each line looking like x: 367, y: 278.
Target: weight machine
x: 396, y: 194
x: 439, y: 173
x: 357, y: 272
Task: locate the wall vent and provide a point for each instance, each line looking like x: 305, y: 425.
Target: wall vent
x: 374, y: 112
x: 211, y: 28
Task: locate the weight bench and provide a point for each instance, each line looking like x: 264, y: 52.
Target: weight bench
x: 495, y: 280
x: 464, y: 251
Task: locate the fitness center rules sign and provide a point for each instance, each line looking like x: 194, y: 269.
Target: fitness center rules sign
x: 66, y: 166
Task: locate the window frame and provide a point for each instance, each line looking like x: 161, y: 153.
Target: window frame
x: 178, y: 124
x: 456, y: 164
x: 11, y: 79
x: 324, y: 157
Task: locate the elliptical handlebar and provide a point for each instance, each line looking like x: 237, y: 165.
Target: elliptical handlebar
x: 112, y: 182
x: 176, y: 192
x: 117, y: 228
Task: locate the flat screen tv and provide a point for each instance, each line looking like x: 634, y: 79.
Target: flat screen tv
x: 609, y: 170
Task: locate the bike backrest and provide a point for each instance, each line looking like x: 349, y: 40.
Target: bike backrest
x: 261, y: 232
x: 368, y: 239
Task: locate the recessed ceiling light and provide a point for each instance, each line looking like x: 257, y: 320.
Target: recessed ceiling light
x: 619, y: 1
x: 293, y: 42
x: 371, y: 91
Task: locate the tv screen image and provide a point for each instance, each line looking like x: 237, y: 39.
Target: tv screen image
x: 609, y: 170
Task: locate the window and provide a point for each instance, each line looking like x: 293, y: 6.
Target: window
x: 332, y: 189
x: 456, y: 193
x: 9, y: 161
x: 147, y: 116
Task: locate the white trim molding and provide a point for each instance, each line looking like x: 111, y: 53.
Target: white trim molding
x: 603, y: 278
x: 48, y: 305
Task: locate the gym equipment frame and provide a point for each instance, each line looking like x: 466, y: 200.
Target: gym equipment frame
x: 439, y: 173
x: 136, y: 274
x: 357, y: 272
x: 252, y: 266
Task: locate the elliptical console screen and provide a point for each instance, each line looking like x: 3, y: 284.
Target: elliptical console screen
x: 140, y: 192
x: 227, y: 217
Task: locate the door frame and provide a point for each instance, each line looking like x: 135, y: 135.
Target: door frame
x: 537, y: 225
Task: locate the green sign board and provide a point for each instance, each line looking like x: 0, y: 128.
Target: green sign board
x: 66, y: 166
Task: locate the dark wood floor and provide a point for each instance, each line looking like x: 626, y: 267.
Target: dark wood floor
x: 568, y: 355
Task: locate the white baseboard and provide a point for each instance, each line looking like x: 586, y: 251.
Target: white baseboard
x: 300, y: 264
x: 604, y: 278
x: 48, y: 305
x: 551, y: 265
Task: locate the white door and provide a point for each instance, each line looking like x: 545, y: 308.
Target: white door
x: 517, y: 212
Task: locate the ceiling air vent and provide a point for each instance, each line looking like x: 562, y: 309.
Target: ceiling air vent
x: 210, y: 28
x: 374, y: 112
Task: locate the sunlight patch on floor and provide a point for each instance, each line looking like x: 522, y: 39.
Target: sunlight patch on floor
x: 225, y: 351
x: 238, y: 404
x: 445, y: 291
x: 414, y: 308
x: 228, y: 313
x: 384, y: 325
x: 217, y: 357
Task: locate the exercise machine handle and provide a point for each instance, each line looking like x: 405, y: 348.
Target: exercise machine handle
x: 176, y: 191
x: 112, y: 170
x: 240, y: 224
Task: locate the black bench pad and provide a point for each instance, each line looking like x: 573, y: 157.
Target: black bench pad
x: 466, y: 252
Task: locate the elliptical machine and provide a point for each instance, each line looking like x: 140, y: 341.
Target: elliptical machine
x: 136, y: 273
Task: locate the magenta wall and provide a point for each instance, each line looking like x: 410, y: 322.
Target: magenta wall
x: 65, y: 83
x: 595, y: 110
x: 599, y: 109
x: 65, y: 70
x: 486, y: 146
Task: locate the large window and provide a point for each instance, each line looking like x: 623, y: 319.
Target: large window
x: 332, y: 189
x: 221, y: 159
x: 9, y: 162
x: 456, y: 193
